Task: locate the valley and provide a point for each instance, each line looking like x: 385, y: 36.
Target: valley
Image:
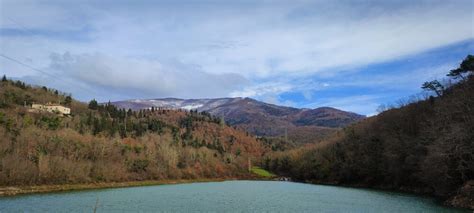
x: 424, y: 146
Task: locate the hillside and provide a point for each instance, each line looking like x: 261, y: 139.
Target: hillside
x: 259, y: 118
x: 101, y: 143
x: 426, y: 146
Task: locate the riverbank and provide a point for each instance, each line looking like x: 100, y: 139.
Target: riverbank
x: 19, y: 190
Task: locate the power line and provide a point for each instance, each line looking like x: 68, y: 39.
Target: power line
x: 26, y: 65
x: 41, y: 71
x: 20, y: 25
x: 33, y: 68
x: 18, y: 61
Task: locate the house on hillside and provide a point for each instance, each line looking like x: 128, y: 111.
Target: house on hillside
x: 53, y: 108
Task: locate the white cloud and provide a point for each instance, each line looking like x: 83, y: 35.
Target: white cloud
x: 262, y: 40
x: 209, y: 49
x: 262, y: 89
x: 322, y: 42
x: 271, y: 89
x: 147, y: 78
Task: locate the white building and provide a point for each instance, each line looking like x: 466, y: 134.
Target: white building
x: 53, y: 108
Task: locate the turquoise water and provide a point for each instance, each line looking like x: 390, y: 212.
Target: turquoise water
x: 228, y: 196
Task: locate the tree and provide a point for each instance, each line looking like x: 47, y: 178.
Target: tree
x: 68, y: 100
x: 96, y: 126
x: 434, y: 86
x: 4, y: 78
x: 222, y: 121
x: 93, y: 104
x: 466, y: 67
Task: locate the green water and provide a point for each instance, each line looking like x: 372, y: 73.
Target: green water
x: 228, y: 196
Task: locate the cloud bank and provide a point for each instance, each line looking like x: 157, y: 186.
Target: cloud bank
x: 201, y: 49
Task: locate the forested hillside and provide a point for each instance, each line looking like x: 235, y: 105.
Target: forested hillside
x: 426, y: 146
x: 299, y: 126
x: 100, y: 143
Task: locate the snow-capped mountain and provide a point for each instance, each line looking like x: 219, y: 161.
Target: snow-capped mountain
x: 175, y: 103
x: 258, y: 117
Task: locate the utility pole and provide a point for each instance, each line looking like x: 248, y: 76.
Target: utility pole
x: 286, y: 130
x: 249, y: 164
x: 125, y: 122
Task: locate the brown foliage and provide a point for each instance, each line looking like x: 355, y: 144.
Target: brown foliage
x: 43, y: 148
x: 425, y: 146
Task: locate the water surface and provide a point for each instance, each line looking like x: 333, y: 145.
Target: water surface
x: 228, y: 196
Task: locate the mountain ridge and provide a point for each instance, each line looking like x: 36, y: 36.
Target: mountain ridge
x: 138, y: 100
x: 137, y: 104
x: 257, y: 117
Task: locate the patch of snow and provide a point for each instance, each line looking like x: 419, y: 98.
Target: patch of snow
x: 190, y: 107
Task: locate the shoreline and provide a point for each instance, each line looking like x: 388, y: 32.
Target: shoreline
x: 460, y: 200
x: 9, y: 191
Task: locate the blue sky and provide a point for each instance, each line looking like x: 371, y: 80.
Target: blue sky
x: 352, y: 55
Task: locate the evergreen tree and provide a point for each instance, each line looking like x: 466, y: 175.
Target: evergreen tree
x: 93, y: 104
x: 434, y: 86
x: 466, y: 67
x: 68, y: 100
x: 96, y: 126
x: 4, y: 78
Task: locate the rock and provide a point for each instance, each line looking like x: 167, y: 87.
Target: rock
x: 284, y: 179
x: 464, y: 197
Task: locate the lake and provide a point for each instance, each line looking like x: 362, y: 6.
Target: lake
x: 228, y: 196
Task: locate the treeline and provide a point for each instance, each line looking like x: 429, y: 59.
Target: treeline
x: 109, y: 120
x: 103, y: 143
x: 425, y: 146
x: 14, y: 94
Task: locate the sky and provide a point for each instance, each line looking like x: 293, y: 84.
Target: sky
x: 353, y: 55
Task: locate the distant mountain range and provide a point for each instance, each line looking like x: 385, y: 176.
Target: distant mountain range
x: 259, y: 118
